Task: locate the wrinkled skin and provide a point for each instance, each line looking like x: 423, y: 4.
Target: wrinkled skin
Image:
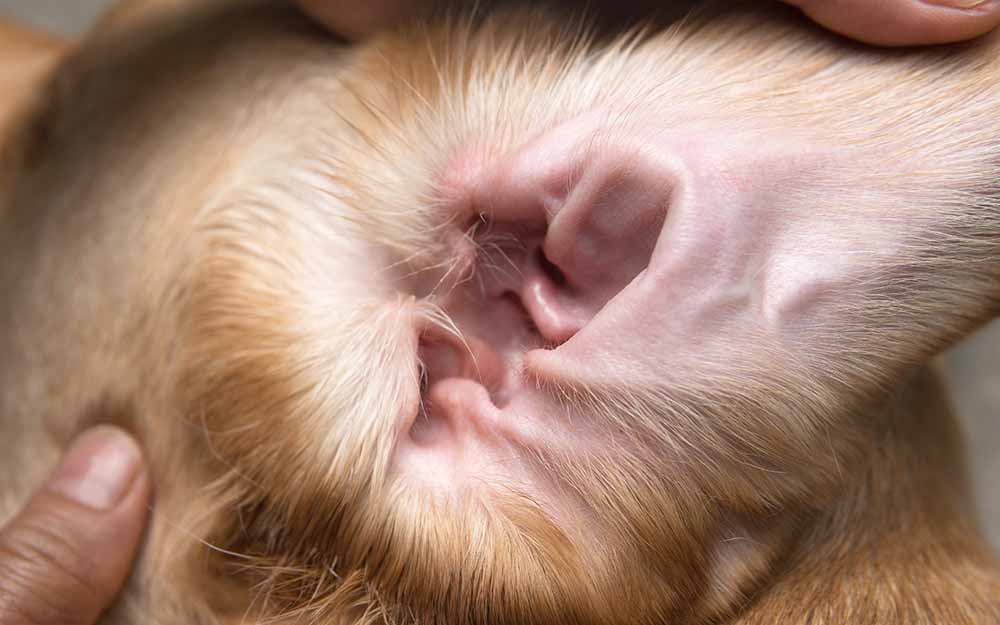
x: 485, y: 322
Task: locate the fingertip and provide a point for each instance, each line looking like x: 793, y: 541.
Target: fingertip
x: 905, y: 22
x: 104, y: 486
x: 100, y: 469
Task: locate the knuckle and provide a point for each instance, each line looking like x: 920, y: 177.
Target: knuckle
x: 45, y: 576
x: 26, y: 606
x: 24, y: 602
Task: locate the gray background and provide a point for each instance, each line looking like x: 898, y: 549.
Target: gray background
x: 65, y: 16
x: 974, y: 367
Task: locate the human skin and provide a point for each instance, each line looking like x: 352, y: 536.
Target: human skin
x: 881, y: 22
x: 795, y: 246
x: 66, y: 555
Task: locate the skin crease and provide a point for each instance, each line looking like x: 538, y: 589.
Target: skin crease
x: 512, y: 190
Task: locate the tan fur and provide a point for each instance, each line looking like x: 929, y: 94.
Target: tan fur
x: 25, y: 56
x: 211, y: 235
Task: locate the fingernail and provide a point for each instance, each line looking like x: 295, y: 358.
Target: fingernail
x: 99, y: 468
x: 959, y: 4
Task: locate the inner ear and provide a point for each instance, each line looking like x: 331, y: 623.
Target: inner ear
x: 26, y: 57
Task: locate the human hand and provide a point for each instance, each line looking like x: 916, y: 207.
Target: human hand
x: 904, y: 22
x: 64, y: 558
x: 882, y: 22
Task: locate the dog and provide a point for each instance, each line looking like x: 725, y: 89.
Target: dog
x: 508, y: 315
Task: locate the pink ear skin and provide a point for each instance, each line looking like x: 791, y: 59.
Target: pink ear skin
x: 662, y: 255
x: 699, y: 212
x: 602, y: 202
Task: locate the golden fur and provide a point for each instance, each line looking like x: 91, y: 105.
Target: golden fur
x: 210, y: 231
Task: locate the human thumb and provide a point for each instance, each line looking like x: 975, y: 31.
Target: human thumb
x: 905, y: 22
x: 65, y: 557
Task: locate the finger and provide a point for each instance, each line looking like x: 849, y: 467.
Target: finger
x: 905, y: 22
x: 66, y: 556
x: 353, y: 19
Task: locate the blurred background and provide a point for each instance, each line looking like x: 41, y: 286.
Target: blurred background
x: 973, y: 367
x: 61, y: 16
